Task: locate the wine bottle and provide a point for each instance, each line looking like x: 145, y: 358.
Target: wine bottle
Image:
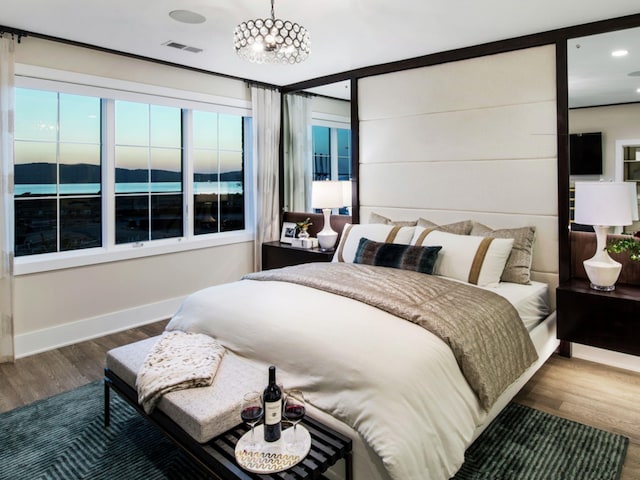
x: 272, y: 408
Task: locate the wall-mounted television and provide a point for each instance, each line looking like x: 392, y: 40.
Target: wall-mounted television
x: 585, y: 153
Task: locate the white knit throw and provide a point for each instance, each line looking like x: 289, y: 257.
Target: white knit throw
x: 177, y: 361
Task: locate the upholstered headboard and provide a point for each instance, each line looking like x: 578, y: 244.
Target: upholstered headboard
x: 473, y: 139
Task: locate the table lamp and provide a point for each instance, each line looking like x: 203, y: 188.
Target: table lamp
x: 602, y: 205
x: 326, y: 195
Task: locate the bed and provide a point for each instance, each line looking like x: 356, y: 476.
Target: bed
x: 412, y: 401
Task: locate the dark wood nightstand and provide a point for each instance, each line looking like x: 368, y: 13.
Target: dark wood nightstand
x: 609, y: 320
x: 276, y: 255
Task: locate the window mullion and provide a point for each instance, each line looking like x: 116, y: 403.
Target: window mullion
x: 150, y: 178
x: 187, y: 173
x: 333, y: 132
x: 57, y: 194
x: 219, y: 202
x: 108, y: 174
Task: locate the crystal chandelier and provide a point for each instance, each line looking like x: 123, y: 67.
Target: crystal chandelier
x: 271, y: 40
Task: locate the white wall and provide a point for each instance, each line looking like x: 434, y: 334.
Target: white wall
x: 43, y: 53
x: 64, y: 306
x: 331, y: 106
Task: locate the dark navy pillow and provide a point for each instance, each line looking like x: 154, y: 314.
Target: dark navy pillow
x: 395, y: 255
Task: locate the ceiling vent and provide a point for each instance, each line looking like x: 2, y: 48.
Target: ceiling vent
x: 181, y: 46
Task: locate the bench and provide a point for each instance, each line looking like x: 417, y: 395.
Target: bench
x: 204, y: 421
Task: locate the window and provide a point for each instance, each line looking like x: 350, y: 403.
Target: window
x: 218, y: 172
x: 148, y: 163
x: 57, y: 172
x: 331, y: 153
x: 104, y: 172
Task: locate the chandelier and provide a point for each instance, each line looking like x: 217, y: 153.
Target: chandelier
x: 271, y: 40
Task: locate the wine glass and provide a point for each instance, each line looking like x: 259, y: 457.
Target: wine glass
x: 251, y: 412
x: 293, y: 409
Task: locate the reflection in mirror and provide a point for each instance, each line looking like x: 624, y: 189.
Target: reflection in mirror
x: 604, y: 105
x: 317, y: 142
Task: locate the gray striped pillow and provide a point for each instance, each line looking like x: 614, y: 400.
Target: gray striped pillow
x: 395, y: 255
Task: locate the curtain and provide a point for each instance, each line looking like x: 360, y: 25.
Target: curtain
x: 6, y: 196
x: 297, y: 153
x: 266, y: 142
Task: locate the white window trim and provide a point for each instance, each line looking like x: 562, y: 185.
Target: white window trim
x: 28, y: 76
x: 330, y: 120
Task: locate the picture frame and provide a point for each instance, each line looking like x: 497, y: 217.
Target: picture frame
x: 288, y: 232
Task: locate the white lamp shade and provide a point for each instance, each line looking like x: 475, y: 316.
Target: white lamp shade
x: 603, y: 203
x: 327, y: 194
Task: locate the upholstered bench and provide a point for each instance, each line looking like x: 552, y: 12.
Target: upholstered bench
x: 205, y: 422
x: 203, y: 412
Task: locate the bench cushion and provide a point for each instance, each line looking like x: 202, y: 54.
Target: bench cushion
x: 202, y: 412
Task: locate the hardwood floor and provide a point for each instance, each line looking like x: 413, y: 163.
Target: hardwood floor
x: 590, y: 393
x: 46, y: 374
x: 586, y: 392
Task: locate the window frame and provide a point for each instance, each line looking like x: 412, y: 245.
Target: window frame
x: 109, y: 90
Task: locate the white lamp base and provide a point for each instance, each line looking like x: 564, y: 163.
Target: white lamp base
x: 327, y: 236
x: 602, y: 270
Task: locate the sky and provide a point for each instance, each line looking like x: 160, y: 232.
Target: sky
x: 146, y: 136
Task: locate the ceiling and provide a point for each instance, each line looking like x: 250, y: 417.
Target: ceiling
x: 345, y: 34
x: 596, y: 77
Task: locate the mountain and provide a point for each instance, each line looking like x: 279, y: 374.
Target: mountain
x: 45, y: 173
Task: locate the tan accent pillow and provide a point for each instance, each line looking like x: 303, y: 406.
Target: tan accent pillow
x: 375, y: 218
x: 471, y: 259
x: 459, y: 228
x: 352, y: 233
x: 518, y: 267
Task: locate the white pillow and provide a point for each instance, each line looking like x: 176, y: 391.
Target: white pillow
x: 469, y: 258
x: 378, y: 232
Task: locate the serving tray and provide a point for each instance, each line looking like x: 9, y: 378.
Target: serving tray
x: 271, y: 457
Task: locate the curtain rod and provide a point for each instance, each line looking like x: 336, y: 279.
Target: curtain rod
x: 13, y: 32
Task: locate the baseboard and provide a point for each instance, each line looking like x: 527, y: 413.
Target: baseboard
x: 607, y: 357
x: 62, y: 335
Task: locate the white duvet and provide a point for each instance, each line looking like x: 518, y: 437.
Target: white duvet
x: 394, y: 382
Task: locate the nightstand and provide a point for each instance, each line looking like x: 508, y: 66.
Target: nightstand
x: 609, y: 320
x: 276, y: 255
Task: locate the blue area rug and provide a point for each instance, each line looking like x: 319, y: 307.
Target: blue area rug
x: 63, y: 437
x: 526, y: 444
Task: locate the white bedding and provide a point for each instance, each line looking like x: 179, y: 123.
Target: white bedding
x: 531, y: 301
x: 392, y: 381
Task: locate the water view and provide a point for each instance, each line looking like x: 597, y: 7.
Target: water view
x: 37, y: 189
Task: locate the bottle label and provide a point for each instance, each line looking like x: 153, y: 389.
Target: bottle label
x: 272, y: 412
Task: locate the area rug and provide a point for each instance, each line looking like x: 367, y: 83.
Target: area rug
x: 63, y: 437
x: 526, y: 444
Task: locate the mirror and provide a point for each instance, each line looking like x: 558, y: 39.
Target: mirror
x: 604, y: 107
x: 316, y: 143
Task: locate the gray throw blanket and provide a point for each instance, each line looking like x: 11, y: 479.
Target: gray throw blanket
x: 484, y: 331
